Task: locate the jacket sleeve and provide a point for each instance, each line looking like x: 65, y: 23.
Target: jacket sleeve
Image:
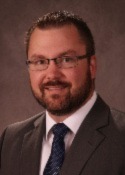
x: 1, y: 144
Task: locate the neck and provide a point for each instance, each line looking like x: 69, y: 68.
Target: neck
x: 59, y: 119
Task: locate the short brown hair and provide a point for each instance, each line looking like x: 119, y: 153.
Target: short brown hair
x: 61, y: 18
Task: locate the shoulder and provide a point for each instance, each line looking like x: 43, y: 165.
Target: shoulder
x: 118, y: 118
x: 19, y: 128
x: 13, y: 136
x: 114, y: 116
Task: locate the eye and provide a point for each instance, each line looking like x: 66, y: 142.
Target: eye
x: 68, y: 59
x: 40, y: 62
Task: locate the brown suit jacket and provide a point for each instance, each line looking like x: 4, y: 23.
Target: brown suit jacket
x: 98, y: 148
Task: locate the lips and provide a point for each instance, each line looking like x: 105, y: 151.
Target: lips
x: 55, y: 85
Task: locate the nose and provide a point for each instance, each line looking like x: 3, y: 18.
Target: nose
x: 53, y: 71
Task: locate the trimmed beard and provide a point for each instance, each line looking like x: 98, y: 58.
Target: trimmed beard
x: 69, y: 103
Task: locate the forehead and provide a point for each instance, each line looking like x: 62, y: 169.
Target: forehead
x: 60, y: 38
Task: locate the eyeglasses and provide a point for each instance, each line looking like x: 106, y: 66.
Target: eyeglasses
x: 62, y: 62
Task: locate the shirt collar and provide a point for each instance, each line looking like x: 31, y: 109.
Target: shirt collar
x: 74, y: 121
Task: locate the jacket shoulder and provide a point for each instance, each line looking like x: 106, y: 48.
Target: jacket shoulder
x: 119, y: 118
x: 13, y: 136
x: 23, y: 126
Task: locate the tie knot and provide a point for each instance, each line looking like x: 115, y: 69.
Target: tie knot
x: 60, y: 129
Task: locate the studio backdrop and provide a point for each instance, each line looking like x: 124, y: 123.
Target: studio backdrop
x: 106, y: 19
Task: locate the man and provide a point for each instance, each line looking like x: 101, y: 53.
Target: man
x: 62, y: 70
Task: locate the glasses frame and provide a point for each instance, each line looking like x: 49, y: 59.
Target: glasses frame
x: 29, y: 62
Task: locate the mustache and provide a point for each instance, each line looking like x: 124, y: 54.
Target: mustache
x: 55, y: 83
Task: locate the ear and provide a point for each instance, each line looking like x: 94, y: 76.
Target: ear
x: 93, y: 66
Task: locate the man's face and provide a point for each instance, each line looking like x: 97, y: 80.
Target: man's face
x: 61, y: 91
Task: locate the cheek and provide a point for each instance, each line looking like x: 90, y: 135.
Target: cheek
x: 77, y: 78
x: 35, y: 79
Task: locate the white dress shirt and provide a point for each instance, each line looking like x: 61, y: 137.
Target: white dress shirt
x: 73, y: 122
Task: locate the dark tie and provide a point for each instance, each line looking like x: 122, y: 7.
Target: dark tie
x: 56, y: 158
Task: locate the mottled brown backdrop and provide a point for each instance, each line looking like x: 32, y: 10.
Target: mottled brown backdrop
x: 106, y: 18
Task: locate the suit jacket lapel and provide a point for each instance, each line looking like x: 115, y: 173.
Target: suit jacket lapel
x: 86, y: 140
x: 31, y: 148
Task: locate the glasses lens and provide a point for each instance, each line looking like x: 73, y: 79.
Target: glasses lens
x: 68, y: 62
x: 39, y: 64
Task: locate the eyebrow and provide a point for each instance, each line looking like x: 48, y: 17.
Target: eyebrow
x: 73, y: 52
x: 67, y: 52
